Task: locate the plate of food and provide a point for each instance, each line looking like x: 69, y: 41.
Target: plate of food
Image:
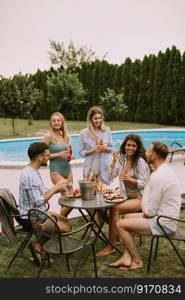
x: 111, y: 193
x: 76, y: 194
x: 114, y: 200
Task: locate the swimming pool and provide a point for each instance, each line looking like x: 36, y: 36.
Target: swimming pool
x: 16, y: 149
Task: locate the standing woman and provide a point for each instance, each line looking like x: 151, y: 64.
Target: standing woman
x: 95, y: 146
x: 59, y: 144
x: 133, y: 173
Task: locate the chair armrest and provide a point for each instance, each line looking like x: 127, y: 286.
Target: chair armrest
x: 170, y: 218
x: 48, y: 205
x: 77, y: 230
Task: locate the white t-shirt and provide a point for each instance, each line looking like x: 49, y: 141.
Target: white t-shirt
x: 162, y: 196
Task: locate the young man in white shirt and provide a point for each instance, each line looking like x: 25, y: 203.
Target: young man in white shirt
x: 161, y: 197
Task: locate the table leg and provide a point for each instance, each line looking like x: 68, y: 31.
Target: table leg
x: 100, y: 231
x: 93, y: 221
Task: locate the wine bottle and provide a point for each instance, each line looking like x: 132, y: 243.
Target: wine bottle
x: 69, y: 152
x: 101, y: 142
x: 91, y: 176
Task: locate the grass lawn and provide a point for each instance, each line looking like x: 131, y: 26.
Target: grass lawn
x: 167, y: 264
x: 38, y: 128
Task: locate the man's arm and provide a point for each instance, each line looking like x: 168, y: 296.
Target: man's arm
x: 58, y: 187
x: 39, y: 198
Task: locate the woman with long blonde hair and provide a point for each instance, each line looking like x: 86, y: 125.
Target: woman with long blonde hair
x: 59, y: 144
x: 95, y: 145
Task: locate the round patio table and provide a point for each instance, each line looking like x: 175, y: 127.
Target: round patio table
x: 91, y: 207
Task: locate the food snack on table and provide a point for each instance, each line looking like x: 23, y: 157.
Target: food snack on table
x: 107, y: 192
x: 76, y: 193
x: 112, y: 194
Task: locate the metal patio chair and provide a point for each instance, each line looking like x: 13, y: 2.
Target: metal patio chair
x: 11, y: 216
x: 179, y: 235
x: 183, y: 200
x: 58, y: 243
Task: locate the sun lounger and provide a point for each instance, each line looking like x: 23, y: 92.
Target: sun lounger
x: 173, y: 150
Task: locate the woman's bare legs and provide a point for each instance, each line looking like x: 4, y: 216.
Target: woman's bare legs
x: 129, y: 206
x: 126, y: 227
x: 55, y: 177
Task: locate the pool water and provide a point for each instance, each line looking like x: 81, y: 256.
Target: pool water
x: 16, y: 150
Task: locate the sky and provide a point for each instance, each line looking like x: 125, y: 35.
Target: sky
x: 120, y: 28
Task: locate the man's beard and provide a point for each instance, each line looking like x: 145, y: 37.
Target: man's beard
x: 44, y: 164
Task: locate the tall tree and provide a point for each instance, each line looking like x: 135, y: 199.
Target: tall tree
x: 182, y: 92
x: 19, y: 98
x: 96, y: 87
x: 40, y: 80
x: 126, y: 83
x: 134, y: 89
x: 173, y: 87
x: 71, y: 57
x: 66, y: 94
x: 158, y: 88
x: 113, y: 105
x: 143, y: 103
x: 150, y: 86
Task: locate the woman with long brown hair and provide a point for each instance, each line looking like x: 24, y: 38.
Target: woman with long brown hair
x: 133, y: 173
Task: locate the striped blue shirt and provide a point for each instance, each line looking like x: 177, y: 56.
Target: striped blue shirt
x: 31, y: 191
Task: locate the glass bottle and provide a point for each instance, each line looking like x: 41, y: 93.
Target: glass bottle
x: 91, y: 176
x: 69, y: 152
